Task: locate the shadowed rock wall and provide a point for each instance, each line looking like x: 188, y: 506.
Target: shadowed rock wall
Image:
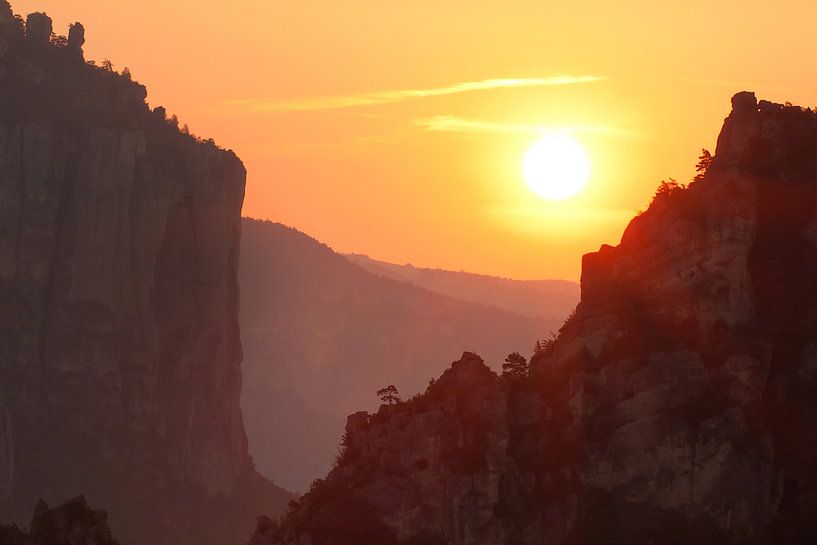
x: 119, y: 339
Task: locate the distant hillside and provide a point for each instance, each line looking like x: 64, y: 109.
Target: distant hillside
x: 543, y: 298
x: 321, y: 335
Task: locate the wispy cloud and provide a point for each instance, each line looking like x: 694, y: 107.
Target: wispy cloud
x: 450, y: 123
x: 386, y: 97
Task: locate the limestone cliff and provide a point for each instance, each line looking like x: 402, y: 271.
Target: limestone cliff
x: 678, y: 404
x: 119, y: 339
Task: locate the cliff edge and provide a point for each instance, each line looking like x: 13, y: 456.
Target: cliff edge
x: 119, y: 339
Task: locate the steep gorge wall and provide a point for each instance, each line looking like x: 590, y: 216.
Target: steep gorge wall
x: 119, y: 339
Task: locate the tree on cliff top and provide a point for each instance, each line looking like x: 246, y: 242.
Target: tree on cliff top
x: 545, y: 346
x: 704, y: 162
x: 389, y: 395
x: 515, y: 366
x: 667, y: 188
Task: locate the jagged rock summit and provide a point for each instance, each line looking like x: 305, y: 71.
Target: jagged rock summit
x: 678, y: 405
x: 119, y: 339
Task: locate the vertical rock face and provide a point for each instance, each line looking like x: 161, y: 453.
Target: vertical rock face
x: 38, y: 28
x: 119, y: 339
x: 76, y: 37
x: 678, y: 404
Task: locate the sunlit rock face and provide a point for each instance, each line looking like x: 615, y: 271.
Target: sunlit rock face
x: 678, y: 405
x: 719, y: 278
x: 119, y: 338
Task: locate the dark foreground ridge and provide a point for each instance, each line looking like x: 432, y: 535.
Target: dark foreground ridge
x: 119, y: 340
x: 71, y: 523
x: 677, y: 406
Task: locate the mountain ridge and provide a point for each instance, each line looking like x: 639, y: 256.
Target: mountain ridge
x: 552, y: 299
x: 324, y: 335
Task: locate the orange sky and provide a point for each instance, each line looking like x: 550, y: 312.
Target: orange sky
x: 374, y: 126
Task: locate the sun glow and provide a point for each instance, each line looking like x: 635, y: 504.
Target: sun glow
x: 556, y: 167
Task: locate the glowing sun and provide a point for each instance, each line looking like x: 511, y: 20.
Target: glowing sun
x: 556, y: 167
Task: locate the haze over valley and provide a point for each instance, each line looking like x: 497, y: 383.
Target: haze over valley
x: 321, y: 335
x: 407, y: 273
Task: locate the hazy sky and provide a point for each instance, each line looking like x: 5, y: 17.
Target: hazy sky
x: 397, y: 129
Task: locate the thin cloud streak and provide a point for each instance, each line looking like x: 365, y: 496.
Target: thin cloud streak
x: 387, y: 97
x: 450, y: 123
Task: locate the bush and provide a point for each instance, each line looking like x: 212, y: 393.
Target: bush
x: 667, y: 188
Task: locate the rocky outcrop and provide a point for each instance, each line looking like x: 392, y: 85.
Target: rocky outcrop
x: 76, y: 38
x: 690, y: 332
x: 119, y: 339
x: 676, y: 406
x: 38, y: 28
x: 434, y: 467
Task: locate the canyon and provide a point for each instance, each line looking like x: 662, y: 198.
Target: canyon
x: 321, y: 335
x: 676, y: 405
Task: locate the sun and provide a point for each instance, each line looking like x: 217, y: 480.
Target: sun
x: 556, y: 167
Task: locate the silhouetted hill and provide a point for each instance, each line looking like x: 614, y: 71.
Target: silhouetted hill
x: 552, y: 299
x: 120, y: 356
x: 677, y: 406
x: 72, y: 522
x: 321, y: 335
